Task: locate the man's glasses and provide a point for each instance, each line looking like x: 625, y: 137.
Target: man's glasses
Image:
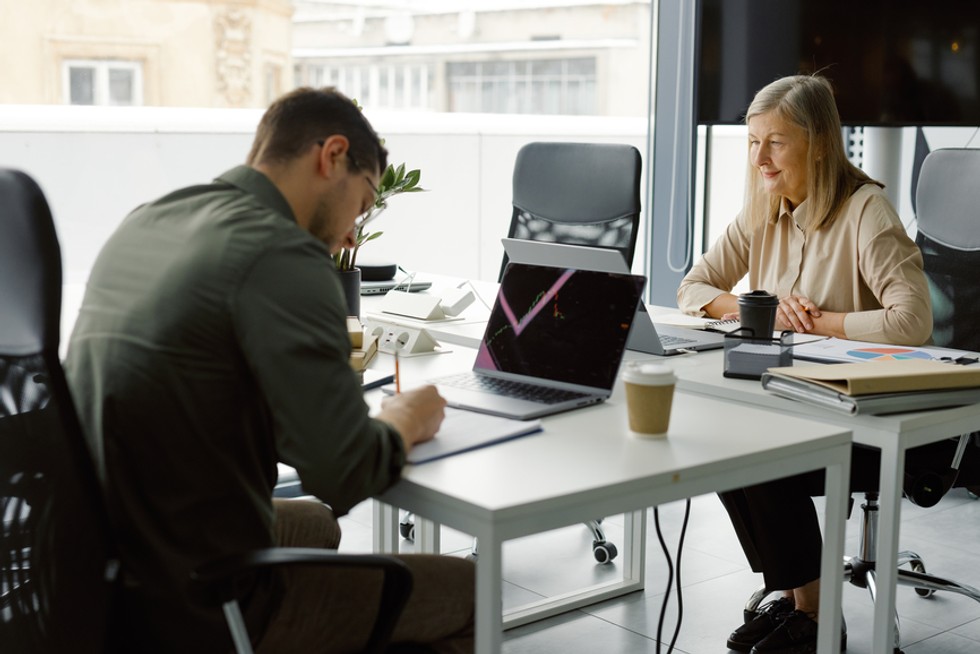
x: 362, y: 221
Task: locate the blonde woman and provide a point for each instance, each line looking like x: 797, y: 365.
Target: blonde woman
x: 819, y: 234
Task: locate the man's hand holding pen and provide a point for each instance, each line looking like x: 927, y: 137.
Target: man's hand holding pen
x: 416, y: 414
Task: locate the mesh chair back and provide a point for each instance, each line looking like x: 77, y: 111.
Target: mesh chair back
x: 948, y: 222
x: 577, y: 193
x: 53, y: 553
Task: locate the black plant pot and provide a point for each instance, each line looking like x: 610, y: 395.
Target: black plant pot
x: 350, y: 281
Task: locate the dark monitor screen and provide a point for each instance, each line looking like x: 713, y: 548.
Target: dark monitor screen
x: 891, y: 62
x: 560, y: 324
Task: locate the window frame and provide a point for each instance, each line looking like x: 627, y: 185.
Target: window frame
x: 102, y: 68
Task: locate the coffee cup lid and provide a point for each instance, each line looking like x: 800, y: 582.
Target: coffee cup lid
x: 758, y: 297
x: 648, y: 374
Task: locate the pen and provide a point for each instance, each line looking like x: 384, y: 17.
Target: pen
x: 398, y: 377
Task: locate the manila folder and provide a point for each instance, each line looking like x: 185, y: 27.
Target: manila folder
x: 887, y: 376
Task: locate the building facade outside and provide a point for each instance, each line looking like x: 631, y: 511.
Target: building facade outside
x: 534, y: 57
x: 191, y: 53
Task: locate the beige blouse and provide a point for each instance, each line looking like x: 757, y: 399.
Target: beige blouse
x: 864, y: 264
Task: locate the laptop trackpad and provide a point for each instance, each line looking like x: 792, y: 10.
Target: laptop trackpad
x: 487, y: 402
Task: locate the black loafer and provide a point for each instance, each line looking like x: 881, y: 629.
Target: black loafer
x: 795, y: 634
x: 766, y: 619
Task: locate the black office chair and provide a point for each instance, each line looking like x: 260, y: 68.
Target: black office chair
x: 577, y: 194
x: 948, y: 222
x: 58, y: 568
x: 948, y: 234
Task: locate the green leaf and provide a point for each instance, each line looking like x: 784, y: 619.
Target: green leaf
x: 387, y: 179
x: 394, y: 180
x: 412, y: 179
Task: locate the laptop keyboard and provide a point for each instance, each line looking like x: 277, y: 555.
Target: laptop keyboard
x: 674, y: 341
x: 507, y: 388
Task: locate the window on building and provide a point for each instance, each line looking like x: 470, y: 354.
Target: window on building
x: 536, y: 86
x: 103, y: 82
x: 379, y: 86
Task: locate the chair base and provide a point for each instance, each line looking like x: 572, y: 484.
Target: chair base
x: 860, y: 571
x: 603, y: 550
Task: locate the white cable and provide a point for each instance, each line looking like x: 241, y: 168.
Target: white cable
x: 972, y: 137
x: 409, y: 277
x: 475, y: 292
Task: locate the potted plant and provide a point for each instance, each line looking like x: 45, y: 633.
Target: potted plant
x: 393, y: 181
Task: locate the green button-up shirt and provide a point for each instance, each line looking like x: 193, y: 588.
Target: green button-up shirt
x: 211, y: 344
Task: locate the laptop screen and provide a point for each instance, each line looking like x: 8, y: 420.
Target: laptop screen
x: 560, y: 324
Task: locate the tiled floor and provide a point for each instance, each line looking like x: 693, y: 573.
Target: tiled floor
x: 716, y: 582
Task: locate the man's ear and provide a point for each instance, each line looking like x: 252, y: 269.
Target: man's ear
x: 333, y: 155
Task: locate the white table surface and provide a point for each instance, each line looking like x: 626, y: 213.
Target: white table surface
x: 585, y: 464
x: 701, y: 373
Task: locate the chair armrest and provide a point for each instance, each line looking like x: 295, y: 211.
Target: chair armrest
x: 217, y: 582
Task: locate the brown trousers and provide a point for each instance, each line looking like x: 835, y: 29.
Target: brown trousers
x: 327, y: 610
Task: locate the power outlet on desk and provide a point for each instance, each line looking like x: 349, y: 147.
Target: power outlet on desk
x: 407, y: 341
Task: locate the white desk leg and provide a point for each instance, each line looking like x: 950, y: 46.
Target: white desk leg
x: 426, y: 536
x: 634, y: 547
x: 886, y: 554
x: 385, y: 532
x: 489, y: 593
x: 831, y: 569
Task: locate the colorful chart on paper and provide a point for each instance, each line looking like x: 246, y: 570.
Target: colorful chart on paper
x: 839, y: 349
x: 885, y: 353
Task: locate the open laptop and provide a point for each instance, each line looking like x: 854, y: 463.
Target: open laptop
x: 663, y: 340
x: 383, y: 286
x: 554, y: 342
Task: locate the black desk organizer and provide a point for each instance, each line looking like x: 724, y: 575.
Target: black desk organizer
x: 747, y: 357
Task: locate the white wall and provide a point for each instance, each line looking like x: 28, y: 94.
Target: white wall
x: 96, y: 165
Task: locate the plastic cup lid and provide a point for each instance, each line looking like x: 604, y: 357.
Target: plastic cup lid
x: 648, y: 374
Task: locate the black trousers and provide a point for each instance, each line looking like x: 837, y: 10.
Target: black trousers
x: 776, y: 522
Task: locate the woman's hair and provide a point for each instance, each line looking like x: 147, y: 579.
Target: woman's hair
x: 297, y: 120
x: 808, y: 102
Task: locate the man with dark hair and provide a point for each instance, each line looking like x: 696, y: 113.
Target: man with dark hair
x: 212, y: 344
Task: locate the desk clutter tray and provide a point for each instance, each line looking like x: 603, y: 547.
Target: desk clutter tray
x: 747, y: 357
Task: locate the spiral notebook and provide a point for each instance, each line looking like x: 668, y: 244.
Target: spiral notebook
x: 465, y: 431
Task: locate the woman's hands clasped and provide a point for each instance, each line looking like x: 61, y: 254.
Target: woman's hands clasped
x: 796, y: 313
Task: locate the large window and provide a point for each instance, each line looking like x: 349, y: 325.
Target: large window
x: 537, y: 86
x: 380, y: 86
x: 103, y: 82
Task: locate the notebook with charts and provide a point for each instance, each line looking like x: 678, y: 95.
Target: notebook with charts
x: 662, y: 340
x: 554, y: 342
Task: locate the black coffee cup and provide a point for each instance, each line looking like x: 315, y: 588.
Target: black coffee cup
x: 757, y: 311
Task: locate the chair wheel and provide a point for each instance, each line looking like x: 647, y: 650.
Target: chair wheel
x: 407, y: 530
x: 604, y: 552
x: 918, y: 566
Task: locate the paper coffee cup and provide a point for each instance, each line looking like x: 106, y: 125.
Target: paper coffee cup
x: 649, y: 395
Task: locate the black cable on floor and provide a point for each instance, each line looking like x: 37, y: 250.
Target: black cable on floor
x: 670, y: 576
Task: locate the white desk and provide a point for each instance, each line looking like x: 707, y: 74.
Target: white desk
x: 893, y: 434
x: 585, y: 464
